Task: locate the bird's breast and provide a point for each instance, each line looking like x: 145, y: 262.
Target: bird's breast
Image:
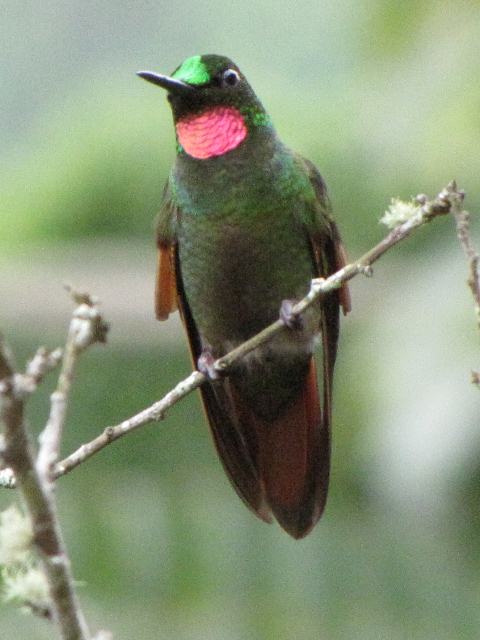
x: 236, y: 270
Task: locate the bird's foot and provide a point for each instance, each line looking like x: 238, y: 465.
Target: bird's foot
x: 205, y: 364
x: 291, y: 320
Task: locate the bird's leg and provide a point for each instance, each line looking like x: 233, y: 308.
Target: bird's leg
x: 205, y: 363
x: 288, y: 318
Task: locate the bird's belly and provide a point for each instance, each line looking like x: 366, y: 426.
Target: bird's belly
x: 235, y: 277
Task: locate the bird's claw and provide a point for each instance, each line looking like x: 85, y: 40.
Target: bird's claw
x: 290, y: 320
x: 205, y: 365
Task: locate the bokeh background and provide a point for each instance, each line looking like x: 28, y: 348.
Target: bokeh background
x: 384, y: 97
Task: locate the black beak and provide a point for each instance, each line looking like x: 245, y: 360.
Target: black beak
x: 170, y: 84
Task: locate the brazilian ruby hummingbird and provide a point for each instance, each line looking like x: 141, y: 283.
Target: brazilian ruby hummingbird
x: 244, y: 226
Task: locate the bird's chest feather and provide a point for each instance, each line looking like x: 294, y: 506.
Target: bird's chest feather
x: 237, y: 269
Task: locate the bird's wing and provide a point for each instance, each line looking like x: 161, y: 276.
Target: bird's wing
x: 165, y: 287
x: 329, y: 252
x: 329, y: 256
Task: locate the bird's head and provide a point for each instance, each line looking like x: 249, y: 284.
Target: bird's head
x: 214, y: 107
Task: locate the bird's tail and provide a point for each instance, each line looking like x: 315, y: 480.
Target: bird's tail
x: 279, y: 465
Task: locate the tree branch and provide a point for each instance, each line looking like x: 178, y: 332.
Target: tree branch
x: 17, y: 453
x: 404, y: 217
x: 414, y: 215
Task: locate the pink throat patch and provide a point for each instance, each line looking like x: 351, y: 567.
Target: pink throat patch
x: 212, y: 133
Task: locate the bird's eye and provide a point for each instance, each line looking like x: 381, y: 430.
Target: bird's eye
x: 230, y: 78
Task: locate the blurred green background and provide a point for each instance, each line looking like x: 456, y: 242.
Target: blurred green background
x: 384, y: 97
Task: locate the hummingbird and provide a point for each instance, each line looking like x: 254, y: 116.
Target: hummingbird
x: 245, y: 224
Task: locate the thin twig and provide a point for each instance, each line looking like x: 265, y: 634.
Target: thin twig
x: 86, y: 327
x: 462, y: 220
x: 153, y: 413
